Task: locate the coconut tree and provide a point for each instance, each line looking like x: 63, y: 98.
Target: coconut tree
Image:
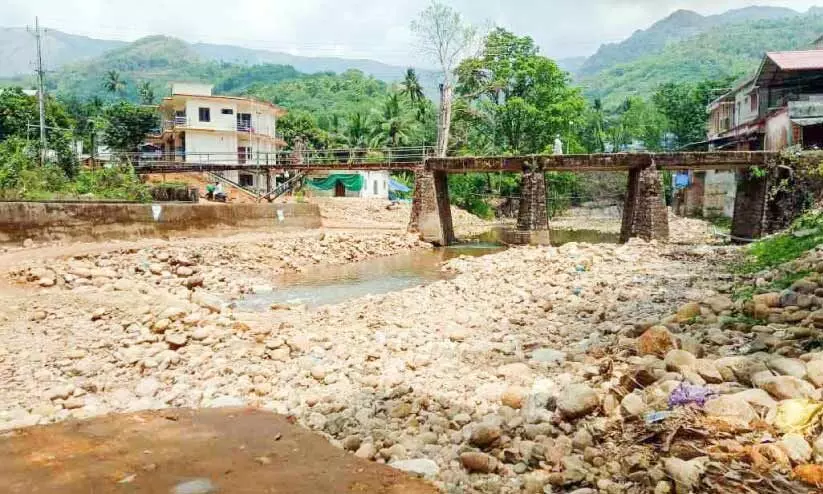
x: 413, y: 90
x: 393, y: 129
x: 114, y: 83
x: 146, y: 93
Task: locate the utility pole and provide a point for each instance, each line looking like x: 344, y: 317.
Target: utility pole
x: 41, y: 95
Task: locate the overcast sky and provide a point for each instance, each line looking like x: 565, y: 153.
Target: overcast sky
x: 376, y: 29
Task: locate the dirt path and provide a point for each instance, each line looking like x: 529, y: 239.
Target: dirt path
x: 230, y: 450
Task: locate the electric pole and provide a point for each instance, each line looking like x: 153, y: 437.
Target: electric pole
x: 41, y: 90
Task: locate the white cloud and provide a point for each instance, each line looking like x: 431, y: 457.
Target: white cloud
x: 375, y: 29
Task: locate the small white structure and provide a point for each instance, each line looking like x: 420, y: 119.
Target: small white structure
x: 203, y: 128
x: 375, y: 184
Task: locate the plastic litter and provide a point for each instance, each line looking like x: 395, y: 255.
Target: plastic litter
x: 798, y: 415
x: 686, y: 394
x: 655, y: 417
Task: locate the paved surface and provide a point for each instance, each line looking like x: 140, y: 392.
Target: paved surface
x: 188, y: 451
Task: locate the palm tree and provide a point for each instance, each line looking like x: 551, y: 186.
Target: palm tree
x: 114, y: 83
x: 146, y: 93
x: 357, y: 132
x: 394, y: 126
x: 413, y: 90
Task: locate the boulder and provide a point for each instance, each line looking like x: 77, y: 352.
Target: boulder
x: 788, y: 387
x: 422, y: 467
x: 577, y: 400
x: 788, y: 367
x: 814, y: 372
x: 687, y: 312
x: 514, y: 397
x: 657, y: 341
x: 484, y: 435
x: 478, y: 462
x: 719, y: 303
x: 632, y: 405
x: 730, y: 408
x: 679, y: 361
x: 686, y: 474
x: 796, y: 448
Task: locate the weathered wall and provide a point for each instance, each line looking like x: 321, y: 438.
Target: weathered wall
x: 720, y: 189
x: 85, y: 221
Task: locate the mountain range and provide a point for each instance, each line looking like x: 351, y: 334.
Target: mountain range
x: 684, y: 46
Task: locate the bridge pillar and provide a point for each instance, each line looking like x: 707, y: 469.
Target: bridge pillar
x: 749, y: 206
x: 532, y: 217
x: 644, y: 212
x: 431, y: 208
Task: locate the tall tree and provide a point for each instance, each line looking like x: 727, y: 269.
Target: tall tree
x: 446, y: 39
x: 516, y: 97
x: 413, y: 90
x: 127, y: 125
x: 684, y: 106
x: 394, y: 126
x: 146, y: 92
x: 113, y: 82
x: 358, y: 131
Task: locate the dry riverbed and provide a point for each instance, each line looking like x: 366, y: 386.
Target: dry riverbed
x: 531, y: 370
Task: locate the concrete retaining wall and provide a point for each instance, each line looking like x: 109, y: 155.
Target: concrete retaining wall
x: 94, y: 221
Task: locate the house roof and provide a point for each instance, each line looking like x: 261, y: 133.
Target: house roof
x: 797, y: 60
x: 784, y: 67
x: 280, y: 111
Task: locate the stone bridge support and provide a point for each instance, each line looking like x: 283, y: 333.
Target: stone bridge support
x: 431, y: 215
x: 749, y: 206
x: 532, y: 218
x: 644, y: 212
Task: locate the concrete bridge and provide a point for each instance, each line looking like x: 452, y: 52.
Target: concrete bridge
x: 644, y: 211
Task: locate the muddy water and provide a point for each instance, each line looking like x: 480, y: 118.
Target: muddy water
x: 335, y: 284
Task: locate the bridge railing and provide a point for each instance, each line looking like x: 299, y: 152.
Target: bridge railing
x: 327, y: 158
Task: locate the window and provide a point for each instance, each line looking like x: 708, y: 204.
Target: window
x: 375, y: 187
x: 205, y: 114
x: 754, y: 102
x: 243, y: 154
x: 227, y: 111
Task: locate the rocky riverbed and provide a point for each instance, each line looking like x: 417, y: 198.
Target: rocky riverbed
x: 584, y: 368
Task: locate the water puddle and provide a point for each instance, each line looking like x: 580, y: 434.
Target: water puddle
x: 335, y: 284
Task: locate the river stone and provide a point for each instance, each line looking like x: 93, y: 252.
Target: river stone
x: 478, y: 462
x: 577, y: 400
x: 731, y: 408
x: 484, y: 435
x: 788, y: 367
x: 708, y: 371
x: 814, y: 372
x: 514, y: 397
x: 687, y: 312
x: 549, y: 356
x: 517, y: 372
x: 657, y: 340
x: 633, y: 405
x: 757, y: 398
x: 770, y: 300
x: 788, y: 387
x: 719, y: 303
x: 147, y: 387
x: 686, y: 474
x: 421, y: 466
x: 679, y: 360
x: 796, y: 448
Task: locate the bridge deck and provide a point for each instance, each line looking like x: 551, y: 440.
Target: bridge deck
x: 184, y: 167
x: 723, y: 160
x: 719, y: 160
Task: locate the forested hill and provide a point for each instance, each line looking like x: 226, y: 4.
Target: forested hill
x: 723, y: 50
x: 681, y: 25
x: 17, y: 52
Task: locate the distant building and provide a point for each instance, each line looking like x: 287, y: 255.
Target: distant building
x: 201, y: 127
x: 780, y: 106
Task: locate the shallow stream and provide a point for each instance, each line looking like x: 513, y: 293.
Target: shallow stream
x: 326, y: 285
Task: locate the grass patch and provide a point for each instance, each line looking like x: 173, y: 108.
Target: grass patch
x: 804, y: 235
x: 747, y: 291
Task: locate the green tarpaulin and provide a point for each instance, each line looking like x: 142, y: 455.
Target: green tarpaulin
x: 352, y: 182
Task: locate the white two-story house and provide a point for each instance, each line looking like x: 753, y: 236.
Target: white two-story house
x: 205, y: 128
